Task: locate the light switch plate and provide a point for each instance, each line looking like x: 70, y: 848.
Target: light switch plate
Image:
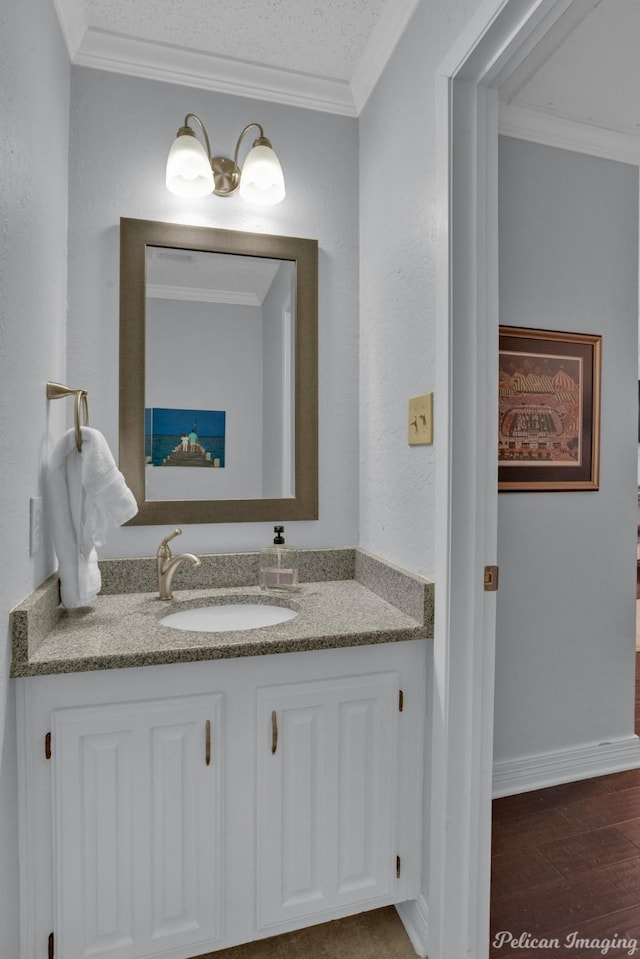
x: 420, y: 419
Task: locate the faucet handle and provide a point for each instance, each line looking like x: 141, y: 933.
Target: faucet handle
x: 163, y: 548
x: 176, y: 532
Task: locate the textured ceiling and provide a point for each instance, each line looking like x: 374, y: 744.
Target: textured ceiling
x: 328, y: 54
x: 320, y: 54
x: 586, y: 69
x: 324, y: 38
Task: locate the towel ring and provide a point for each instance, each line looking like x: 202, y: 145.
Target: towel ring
x: 56, y: 391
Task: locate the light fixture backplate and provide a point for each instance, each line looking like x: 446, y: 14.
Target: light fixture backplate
x: 226, y: 176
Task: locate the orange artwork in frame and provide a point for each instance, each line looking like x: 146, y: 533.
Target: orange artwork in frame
x: 549, y: 410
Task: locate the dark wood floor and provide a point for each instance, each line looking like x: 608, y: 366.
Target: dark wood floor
x: 566, y: 867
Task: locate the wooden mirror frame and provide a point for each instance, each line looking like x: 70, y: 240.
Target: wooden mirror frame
x: 135, y: 237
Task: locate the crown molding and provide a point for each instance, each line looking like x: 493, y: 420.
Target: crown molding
x: 568, y: 134
x: 104, y: 50
x: 72, y: 17
x: 539, y: 49
x: 384, y: 38
x: 234, y: 298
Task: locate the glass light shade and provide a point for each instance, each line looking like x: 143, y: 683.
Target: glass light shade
x: 189, y: 170
x: 262, y: 180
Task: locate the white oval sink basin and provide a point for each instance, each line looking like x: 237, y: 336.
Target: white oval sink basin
x: 228, y: 617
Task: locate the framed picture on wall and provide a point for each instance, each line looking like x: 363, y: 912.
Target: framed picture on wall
x: 549, y: 410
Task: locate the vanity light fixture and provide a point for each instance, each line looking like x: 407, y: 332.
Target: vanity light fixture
x: 193, y: 171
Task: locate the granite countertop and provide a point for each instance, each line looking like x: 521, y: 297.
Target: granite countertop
x: 123, y: 629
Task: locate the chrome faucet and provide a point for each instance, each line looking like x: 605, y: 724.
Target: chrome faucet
x: 168, y: 564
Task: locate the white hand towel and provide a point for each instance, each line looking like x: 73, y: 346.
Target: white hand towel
x: 88, y: 495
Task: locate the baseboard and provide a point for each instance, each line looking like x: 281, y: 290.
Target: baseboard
x: 414, y: 916
x: 565, y: 765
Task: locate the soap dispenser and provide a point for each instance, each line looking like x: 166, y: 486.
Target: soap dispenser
x: 279, y: 564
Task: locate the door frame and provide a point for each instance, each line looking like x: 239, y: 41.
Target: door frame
x: 493, y: 44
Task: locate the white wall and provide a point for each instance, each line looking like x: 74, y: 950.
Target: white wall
x: 398, y: 250
x: 398, y: 234
x: 34, y: 109
x: 121, y: 130
x: 566, y: 604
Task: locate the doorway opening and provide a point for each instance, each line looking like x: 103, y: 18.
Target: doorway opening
x: 495, y: 43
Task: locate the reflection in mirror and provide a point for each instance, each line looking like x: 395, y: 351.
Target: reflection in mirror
x: 218, y: 374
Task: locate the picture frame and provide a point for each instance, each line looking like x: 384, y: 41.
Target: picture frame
x: 549, y: 410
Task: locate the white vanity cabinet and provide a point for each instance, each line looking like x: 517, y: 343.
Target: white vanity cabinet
x: 137, y: 826
x: 326, y: 782
x: 179, y: 809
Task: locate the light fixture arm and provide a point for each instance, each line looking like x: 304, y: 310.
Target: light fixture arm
x: 226, y: 172
x: 261, y: 139
x: 186, y: 130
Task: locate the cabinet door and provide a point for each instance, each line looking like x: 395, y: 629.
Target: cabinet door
x: 137, y: 827
x: 326, y: 795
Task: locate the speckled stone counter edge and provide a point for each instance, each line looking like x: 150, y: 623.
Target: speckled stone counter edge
x: 33, y: 618
x: 405, y: 590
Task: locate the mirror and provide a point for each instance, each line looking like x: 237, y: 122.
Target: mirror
x: 218, y: 374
